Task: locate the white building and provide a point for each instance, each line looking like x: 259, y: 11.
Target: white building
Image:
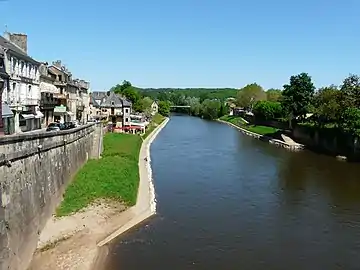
x: 23, y: 94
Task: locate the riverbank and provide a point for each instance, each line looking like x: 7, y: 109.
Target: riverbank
x: 263, y: 133
x: 73, y: 242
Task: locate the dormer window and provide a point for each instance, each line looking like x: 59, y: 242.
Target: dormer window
x: 112, y: 103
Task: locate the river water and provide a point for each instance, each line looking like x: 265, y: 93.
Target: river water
x: 228, y: 201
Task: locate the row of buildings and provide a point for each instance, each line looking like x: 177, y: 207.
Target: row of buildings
x: 33, y: 93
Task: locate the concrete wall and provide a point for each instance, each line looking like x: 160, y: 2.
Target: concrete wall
x: 329, y: 141
x: 34, y: 171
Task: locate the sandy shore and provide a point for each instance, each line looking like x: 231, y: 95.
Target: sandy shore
x: 79, y: 241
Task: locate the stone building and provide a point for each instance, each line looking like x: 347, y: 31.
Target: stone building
x: 154, y: 107
x: 112, y: 107
x: 6, y: 115
x: 62, y: 112
x: 23, y: 92
x: 49, y: 94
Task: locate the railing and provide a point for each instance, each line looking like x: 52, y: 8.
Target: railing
x: 30, y: 102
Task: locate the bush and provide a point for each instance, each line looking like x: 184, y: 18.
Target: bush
x: 267, y: 110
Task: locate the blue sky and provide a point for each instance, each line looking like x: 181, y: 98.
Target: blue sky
x: 192, y: 43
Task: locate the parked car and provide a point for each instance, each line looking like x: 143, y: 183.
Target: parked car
x: 55, y: 127
x: 69, y: 125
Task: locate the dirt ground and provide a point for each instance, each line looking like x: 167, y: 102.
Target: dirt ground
x: 71, y: 242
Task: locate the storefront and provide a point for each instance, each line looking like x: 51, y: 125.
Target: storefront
x: 62, y: 115
x: 7, y: 119
x: 48, y: 102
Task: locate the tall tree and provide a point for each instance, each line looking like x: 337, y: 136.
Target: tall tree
x: 327, y: 105
x: 297, y: 96
x: 273, y: 94
x: 249, y: 95
x: 164, y: 108
x: 351, y: 91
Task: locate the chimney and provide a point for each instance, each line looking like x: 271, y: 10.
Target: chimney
x: 19, y: 40
x: 57, y: 63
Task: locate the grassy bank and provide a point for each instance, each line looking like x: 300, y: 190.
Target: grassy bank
x: 240, y: 122
x: 114, y: 176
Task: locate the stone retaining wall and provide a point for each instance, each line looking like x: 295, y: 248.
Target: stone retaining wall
x: 34, y: 172
x: 279, y: 143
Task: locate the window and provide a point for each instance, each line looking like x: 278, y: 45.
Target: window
x: 60, y: 78
x: 1, y: 63
x: 29, y: 88
x: 112, y: 103
x: 126, y: 110
x: 126, y: 119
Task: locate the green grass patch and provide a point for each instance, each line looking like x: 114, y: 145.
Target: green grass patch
x: 157, y: 120
x: 114, y: 176
x: 262, y: 130
x: 240, y: 122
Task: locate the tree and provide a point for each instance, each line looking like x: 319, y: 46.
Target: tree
x: 131, y: 94
x: 351, y: 120
x: 267, y: 110
x: 210, y: 109
x: 164, y: 108
x: 297, y: 96
x: 327, y: 108
x: 351, y: 91
x: 249, y: 95
x: 146, y: 106
x: 273, y: 94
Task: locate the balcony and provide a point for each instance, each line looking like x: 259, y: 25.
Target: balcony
x: 30, y: 102
x: 48, y: 101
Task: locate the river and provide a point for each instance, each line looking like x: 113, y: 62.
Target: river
x: 228, y: 201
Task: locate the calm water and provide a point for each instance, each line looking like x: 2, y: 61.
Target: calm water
x: 227, y: 201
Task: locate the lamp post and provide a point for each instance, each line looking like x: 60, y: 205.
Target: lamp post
x: 2, y: 84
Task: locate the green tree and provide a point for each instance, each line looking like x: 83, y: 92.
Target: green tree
x: 249, y: 95
x: 297, y: 96
x: 267, y: 110
x: 146, y: 106
x: 164, y: 108
x: 210, y: 109
x: 351, y: 120
x: 327, y: 108
x: 131, y: 94
x: 273, y: 94
x: 350, y: 90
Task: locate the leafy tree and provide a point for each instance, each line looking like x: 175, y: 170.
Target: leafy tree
x: 267, y: 110
x: 131, y: 94
x: 249, y: 95
x: 146, y: 106
x: 297, y: 96
x: 164, y: 108
x: 273, y: 94
x: 327, y: 108
x: 351, y: 120
x: 210, y: 109
x: 351, y: 91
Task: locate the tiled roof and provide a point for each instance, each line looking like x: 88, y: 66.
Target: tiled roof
x: 16, y: 50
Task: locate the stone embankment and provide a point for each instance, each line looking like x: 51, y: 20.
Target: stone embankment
x: 80, y: 241
x: 288, y: 143
x: 34, y: 171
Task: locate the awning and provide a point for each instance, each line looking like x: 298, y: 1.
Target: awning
x: 6, y: 111
x: 27, y: 116
x: 48, y: 88
x: 39, y: 114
